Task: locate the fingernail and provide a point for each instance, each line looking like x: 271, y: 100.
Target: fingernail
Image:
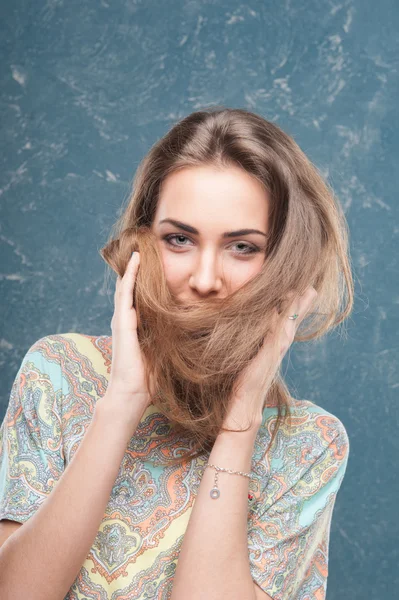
x: 132, y: 253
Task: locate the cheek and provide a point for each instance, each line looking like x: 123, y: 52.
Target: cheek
x: 242, y: 271
x: 174, y: 268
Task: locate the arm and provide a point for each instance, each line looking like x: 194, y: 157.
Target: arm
x: 214, y: 559
x: 42, y: 558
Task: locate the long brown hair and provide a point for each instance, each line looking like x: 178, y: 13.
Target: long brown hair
x: 195, y: 353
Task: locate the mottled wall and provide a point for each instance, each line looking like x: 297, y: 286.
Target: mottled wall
x: 87, y: 87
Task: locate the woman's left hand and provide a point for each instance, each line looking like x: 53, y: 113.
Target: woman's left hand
x: 248, y: 401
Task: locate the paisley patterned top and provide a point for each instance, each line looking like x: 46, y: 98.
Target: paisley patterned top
x: 135, y: 552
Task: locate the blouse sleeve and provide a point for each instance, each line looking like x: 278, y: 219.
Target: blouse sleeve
x: 31, y: 452
x: 289, y: 537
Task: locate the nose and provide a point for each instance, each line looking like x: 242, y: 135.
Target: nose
x: 206, y: 277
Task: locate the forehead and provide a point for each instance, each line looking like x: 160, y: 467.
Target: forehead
x: 230, y: 194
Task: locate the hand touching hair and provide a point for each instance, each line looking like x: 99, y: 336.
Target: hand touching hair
x: 248, y: 398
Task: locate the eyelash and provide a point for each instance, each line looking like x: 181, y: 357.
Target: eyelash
x: 251, y: 249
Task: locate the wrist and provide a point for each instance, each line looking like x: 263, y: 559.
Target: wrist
x: 252, y: 430
x: 122, y: 411
x: 238, y: 437
x: 233, y: 450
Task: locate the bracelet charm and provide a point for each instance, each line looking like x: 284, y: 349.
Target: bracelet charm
x: 215, y: 492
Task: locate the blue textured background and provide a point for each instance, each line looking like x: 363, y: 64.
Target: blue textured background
x: 87, y: 87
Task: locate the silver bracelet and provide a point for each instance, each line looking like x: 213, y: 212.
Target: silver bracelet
x: 215, y: 492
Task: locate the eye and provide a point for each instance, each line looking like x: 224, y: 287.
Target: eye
x: 167, y: 238
x: 247, y: 248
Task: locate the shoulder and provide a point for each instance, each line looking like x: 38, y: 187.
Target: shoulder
x: 329, y: 427
x: 312, y: 436
x: 61, y: 342
x: 69, y: 362
x: 63, y: 347
x: 308, y: 420
x: 60, y: 378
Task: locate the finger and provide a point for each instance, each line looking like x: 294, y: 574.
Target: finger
x: 300, y: 306
x: 290, y: 296
x: 128, y: 282
x: 117, y: 288
x: 298, y: 310
x: 290, y: 326
x: 307, y: 300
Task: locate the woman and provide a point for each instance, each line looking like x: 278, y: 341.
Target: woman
x: 172, y: 458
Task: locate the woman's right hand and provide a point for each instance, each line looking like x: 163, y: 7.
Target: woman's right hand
x: 127, y: 381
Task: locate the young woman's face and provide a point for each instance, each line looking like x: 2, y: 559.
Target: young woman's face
x: 205, y: 252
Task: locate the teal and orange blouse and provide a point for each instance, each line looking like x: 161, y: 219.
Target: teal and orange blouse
x: 135, y: 552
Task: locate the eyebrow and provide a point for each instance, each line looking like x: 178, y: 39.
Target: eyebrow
x: 226, y: 234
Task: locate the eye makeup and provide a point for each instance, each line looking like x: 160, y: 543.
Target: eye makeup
x: 248, y: 248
